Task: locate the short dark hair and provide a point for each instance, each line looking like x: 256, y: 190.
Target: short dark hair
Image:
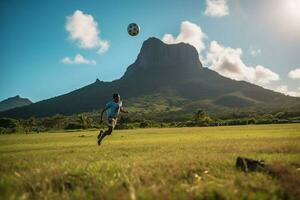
x: 115, y: 95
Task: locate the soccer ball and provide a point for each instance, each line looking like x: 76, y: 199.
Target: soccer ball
x: 133, y: 29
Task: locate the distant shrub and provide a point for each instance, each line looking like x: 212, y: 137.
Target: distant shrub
x: 144, y: 124
x: 187, y: 123
x: 251, y: 121
x: 125, y: 126
x: 54, y: 122
x: 148, y: 123
x: 84, y: 121
x: 74, y: 125
x: 280, y: 115
x: 182, y: 124
x: 8, y: 123
x: 282, y: 121
x: 264, y: 121
x: 200, y: 118
x: 124, y: 119
x: 2, y: 130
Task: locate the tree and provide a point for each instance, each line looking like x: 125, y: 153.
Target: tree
x: 201, y: 118
x: 29, y: 124
x: 9, y: 125
x: 280, y: 115
x: 199, y: 115
x: 85, y: 121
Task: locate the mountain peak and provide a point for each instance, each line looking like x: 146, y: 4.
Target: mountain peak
x: 177, y: 60
x: 97, y: 81
x: 152, y: 40
x: 15, y: 97
x: 13, y: 102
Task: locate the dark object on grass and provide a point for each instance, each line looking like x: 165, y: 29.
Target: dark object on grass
x: 247, y: 164
x: 82, y: 136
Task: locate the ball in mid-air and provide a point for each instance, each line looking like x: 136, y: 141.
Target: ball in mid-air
x: 133, y: 29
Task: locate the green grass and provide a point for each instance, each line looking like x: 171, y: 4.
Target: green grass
x: 169, y: 163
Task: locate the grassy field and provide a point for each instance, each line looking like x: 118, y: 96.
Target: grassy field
x: 168, y: 163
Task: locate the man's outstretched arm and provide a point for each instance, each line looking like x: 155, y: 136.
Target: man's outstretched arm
x: 123, y: 111
x: 101, y: 117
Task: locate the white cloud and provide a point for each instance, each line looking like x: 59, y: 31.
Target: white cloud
x: 254, y: 52
x: 298, y: 88
x: 284, y: 89
x: 294, y: 74
x: 263, y: 75
x: 78, y: 59
x: 189, y: 33
x: 104, y: 46
x: 227, y: 61
x: 216, y: 8
x: 84, y: 30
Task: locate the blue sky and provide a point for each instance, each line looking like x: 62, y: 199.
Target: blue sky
x: 256, y: 41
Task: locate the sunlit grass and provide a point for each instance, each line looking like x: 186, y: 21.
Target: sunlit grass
x: 168, y: 163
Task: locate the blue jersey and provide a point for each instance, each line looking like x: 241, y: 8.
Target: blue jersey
x: 113, y: 109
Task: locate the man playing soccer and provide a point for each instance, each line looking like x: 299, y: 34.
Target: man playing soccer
x: 112, y: 108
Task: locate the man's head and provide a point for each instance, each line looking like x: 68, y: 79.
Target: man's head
x: 116, y: 97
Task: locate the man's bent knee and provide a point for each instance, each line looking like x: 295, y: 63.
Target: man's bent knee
x: 109, y: 131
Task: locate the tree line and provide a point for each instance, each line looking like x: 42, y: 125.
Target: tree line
x: 91, y: 121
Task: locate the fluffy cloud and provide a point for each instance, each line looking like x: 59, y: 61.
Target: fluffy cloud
x: 284, y: 89
x: 254, y: 52
x: 227, y: 61
x: 78, y: 59
x: 189, y: 33
x: 83, y: 29
x: 294, y: 74
x: 216, y: 8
